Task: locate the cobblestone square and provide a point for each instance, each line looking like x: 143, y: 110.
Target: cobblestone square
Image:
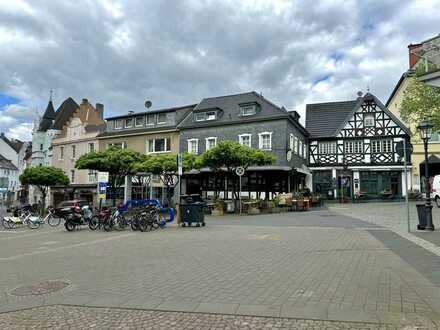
x: 315, y: 266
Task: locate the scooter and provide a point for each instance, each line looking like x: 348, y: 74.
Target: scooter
x: 77, y: 217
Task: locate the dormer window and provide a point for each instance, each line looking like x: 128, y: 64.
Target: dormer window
x: 203, y: 116
x: 139, y: 121
x: 118, y: 124
x: 128, y: 122
x: 161, y: 118
x: 248, y: 110
x: 369, y: 120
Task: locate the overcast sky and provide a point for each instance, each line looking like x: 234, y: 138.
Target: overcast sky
x: 122, y: 53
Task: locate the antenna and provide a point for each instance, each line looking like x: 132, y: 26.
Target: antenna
x: 148, y: 104
x: 368, y: 88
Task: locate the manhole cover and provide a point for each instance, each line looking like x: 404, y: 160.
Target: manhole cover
x: 39, y: 288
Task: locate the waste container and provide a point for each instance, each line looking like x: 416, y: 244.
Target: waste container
x: 192, y: 210
x: 421, y: 213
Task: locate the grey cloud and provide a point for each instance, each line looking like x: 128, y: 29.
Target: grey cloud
x: 176, y: 52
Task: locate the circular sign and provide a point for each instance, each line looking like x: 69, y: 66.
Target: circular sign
x: 239, y: 171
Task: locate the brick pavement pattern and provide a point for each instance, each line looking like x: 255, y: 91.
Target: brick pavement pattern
x: 75, y: 317
x: 314, y: 265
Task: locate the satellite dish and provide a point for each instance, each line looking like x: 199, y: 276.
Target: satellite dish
x: 359, y: 94
x: 148, y: 104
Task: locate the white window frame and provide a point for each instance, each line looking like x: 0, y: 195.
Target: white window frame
x: 142, y: 123
x: 387, y: 145
x: 300, y: 148
x: 119, y: 121
x: 260, y: 140
x: 123, y: 144
x: 240, y: 139
x: 205, y: 116
x: 125, y: 122
x: 202, y: 116
x: 327, y: 147
x: 291, y: 141
x: 208, y: 139
x: 89, y: 145
x: 211, y: 112
x: 305, y: 150
x: 369, y: 116
x: 295, y: 145
x: 376, y: 146
x: 151, y: 115
x: 243, y: 109
x: 158, y: 116
x: 196, y: 141
x: 167, y: 145
x: 92, y: 176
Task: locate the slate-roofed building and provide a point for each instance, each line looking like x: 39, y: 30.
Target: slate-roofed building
x: 77, y: 131
x: 353, y: 149
x: 45, y: 129
x: 147, y: 132
x: 252, y: 120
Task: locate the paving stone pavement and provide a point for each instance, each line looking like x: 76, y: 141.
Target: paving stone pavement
x: 75, y: 317
x: 311, y: 266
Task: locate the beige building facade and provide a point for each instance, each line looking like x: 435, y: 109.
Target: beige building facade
x: 149, y: 132
x: 417, y: 58
x: 77, y: 137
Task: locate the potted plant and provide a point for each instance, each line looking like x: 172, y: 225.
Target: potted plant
x: 275, y: 205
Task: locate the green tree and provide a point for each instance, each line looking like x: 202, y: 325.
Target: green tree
x: 165, y: 165
x: 228, y: 155
x: 116, y: 161
x: 421, y: 102
x: 44, y: 177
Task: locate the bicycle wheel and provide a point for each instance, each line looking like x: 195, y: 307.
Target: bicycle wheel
x: 94, y: 223
x: 134, y: 224
x: 6, y: 223
x: 108, y: 225
x: 121, y: 223
x: 53, y: 222
x: 144, y: 225
x: 34, y: 223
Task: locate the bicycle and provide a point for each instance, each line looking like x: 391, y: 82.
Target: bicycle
x: 25, y: 218
x: 50, y: 218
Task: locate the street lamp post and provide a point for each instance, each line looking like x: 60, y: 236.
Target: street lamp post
x: 425, y: 129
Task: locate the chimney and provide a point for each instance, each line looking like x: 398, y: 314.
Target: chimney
x: 413, y: 52
x: 100, y: 110
x: 84, y: 101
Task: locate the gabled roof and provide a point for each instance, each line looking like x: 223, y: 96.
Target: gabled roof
x: 48, y: 118
x: 324, y: 119
x: 396, y: 88
x: 64, y: 112
x: 14, y: 144
x: 229, y: 111
x: 7, y: 164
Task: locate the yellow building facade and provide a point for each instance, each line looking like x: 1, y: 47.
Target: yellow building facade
x: 418, y: 155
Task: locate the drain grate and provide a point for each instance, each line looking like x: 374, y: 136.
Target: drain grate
x: 39, y: 288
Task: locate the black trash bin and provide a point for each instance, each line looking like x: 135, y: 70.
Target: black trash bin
x: 192, y: 210
x: 421, y: 213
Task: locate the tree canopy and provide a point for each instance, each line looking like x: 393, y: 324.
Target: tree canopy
x: 230, y: 154
x: 44, y: 177
x: 421, y: 102
x: 115, y: 161
x: 166, y: 163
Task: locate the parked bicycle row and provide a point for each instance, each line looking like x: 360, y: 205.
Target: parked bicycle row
x: 143, y: 215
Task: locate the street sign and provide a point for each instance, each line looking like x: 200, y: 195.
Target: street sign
x: 102, y: 190
x: 239, y: 170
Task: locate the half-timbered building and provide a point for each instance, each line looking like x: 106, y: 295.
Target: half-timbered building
x: 354, y: 149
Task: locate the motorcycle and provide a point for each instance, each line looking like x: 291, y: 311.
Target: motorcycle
x: 77, y: 216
